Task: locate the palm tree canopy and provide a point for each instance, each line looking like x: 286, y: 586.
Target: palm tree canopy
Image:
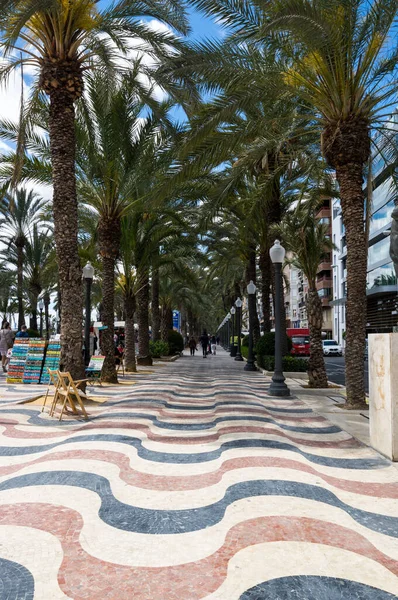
x: 307, y: 239
x: 18, y: 213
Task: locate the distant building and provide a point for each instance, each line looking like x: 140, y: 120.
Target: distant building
x: 381, y: 281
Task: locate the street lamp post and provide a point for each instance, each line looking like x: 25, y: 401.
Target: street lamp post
x: 250, y: 366
x: 88, y: 274
x: 228, y: 317
x: 238, y: 304
x: 233, y: 347
x: 278, y: 386
x: 41, y: 306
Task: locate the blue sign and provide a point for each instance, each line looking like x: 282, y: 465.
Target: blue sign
x: 176, y: 320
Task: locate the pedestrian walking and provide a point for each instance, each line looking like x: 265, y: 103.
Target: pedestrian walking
x: 6, y: 342
x: 213, y: 342
x: 204, y: 341
x: 192, y: 346
x: 218, y: 340
x: 23, y: 333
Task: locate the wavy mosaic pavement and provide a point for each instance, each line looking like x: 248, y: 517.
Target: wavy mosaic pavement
x: 194, y: 484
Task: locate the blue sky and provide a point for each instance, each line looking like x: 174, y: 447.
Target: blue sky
x: 203, y: 27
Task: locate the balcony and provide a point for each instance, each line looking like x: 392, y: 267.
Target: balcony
x: 326, y: 264
x: 324, y: 282
x: 325, y: 301
x: 324, y: 213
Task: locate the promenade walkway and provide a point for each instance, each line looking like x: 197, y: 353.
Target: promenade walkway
x: 194, y: 484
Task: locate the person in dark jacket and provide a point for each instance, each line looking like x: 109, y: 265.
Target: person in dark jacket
x: 204, y: 341
x: 192, y: 345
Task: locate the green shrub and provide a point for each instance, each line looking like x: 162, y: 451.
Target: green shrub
x: 244, y: 351
x: 294, y: 364
x: 245, y: 341
x: 175, y: 341
x: 266, y: 344
x: 159, y: 348
x: 33, y: 333
x: 290, y: 364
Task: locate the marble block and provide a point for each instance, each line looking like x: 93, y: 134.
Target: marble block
x: 383, y: 393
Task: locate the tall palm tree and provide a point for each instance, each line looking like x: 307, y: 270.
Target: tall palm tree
x: 7, y: 288
x: 18, y: 214
x: 307, y: 239
x: 126, y: 285
x: 63, y: 40
x: 38, y: 255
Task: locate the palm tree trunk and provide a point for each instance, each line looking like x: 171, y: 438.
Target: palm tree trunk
x: 46, y: 314
x: 21, y: 316
x: 316, y: 364
x: 129, y: 349
x: 266, y: 279
x: 144, y: 356
x: 253, y: 316
x: 33, y: 320
x: 109, y: 240
x: 155, y: 306
x: 350, y: 179
x: 166, y: 322
x: 63, y: 149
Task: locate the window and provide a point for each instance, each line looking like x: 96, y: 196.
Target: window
x: 300, y: 340
x: 325, y: 221
x: 329, y: 343
x: 382, y: 194
x: 324, y: 292
x: 381, y: 217
x: 384, y: 275
x: 379, y: 251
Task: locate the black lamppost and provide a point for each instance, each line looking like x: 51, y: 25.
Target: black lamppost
x: 278, y: 386
x: 233, y: 347
x: 88, y: 274
x: 228, y: 318
x: 238, y: 304
x: 41, y: 306
x: 250, y: 366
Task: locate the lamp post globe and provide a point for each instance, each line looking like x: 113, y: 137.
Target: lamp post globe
x: 88, y: 275
x: 278, y: 386
x: 250, y: 366
x: 233, y: 346
x: 238, y: 304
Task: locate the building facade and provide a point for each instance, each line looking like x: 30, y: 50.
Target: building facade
x: 381, y: 292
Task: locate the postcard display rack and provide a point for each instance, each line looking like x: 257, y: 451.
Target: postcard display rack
x: 18, y: 359
x: 52, y: 360
x: 34, y: 360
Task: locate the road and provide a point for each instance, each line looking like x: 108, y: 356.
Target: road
x: 335, y: 367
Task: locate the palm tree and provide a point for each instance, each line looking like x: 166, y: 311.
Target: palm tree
x: 38, y: 255
x: 126, y: 286
x: 63, y: 40
x: 307, y: 239
x: 19, y: 212
x: 7, y: 283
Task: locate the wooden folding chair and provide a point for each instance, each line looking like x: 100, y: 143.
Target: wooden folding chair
x: 54, y: 380
x: 71, y: 394
x: 121, y: 364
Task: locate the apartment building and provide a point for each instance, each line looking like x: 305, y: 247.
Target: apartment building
x: 381, y: 291
x: 324, y: 278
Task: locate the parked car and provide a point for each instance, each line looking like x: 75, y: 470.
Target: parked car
x: 331, y: 348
